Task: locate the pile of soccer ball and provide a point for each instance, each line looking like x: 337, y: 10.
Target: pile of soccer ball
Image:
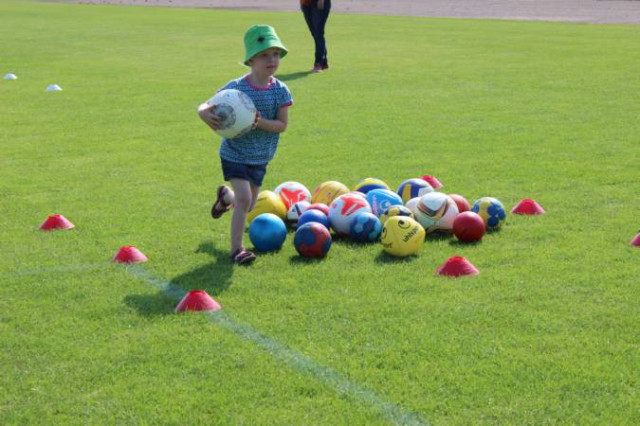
x: 371, y: 212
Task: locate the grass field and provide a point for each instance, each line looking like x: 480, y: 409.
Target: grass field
x: 547, y: 333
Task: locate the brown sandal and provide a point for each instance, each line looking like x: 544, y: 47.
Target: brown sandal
x: 242, y: 256
x: 220, y: 207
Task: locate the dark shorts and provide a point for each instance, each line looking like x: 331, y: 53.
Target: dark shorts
x: 254, y: 173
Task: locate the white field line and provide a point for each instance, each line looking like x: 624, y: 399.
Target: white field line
x: 292, y: 359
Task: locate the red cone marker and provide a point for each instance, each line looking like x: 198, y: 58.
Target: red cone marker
x: 129, y: 254
x: 457, y: 266
x: 56, y: 221
x: 636, y: 240
x: 528, y: 206
x: 432, y: 180
x: 197, y: 300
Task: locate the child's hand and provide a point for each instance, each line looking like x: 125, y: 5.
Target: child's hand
x: 206, y: 114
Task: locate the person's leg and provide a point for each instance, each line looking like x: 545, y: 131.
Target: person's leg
x: 255, y: 190
x: 323, y: 16
x: 314, y: 27
x: 223, y: 203
x: 243, y: 201
x: 306, y: 11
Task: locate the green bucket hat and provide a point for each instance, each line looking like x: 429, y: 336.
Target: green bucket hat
x: 259, y: 38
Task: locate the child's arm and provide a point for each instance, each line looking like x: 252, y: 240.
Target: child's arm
x: 278, y: 125
x: 205, y: 113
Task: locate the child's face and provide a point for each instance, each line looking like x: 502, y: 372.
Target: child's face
x: 266, y: 62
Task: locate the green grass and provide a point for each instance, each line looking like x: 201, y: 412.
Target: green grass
x: 547, y: 333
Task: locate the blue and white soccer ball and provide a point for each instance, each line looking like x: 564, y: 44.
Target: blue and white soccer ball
x: 381, y: 199
x: 365, y: 228
x: 412, y: 188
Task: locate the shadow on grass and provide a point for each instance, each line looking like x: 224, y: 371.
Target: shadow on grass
x: 299, y: 260
x: 151, y: 305
x: 384, y: 258
x: 438, y: 236
x: 458, y: 243
x: 214, y: 278
x: 293, y: 75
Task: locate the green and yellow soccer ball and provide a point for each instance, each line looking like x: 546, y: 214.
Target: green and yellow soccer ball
x: 402, y: 236
x: 492, y: 212
x: 268, y: 202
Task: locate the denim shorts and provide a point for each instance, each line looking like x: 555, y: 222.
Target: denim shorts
x: 254, y: 173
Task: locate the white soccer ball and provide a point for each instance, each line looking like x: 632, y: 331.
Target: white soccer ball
x: 236, y: 111
x: 436, y: 211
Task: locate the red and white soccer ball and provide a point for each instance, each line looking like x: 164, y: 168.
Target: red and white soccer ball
x: 292, y: 192
x: 343, y: 211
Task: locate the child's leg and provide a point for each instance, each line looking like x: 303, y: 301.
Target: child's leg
x: 255, y: 190
x: 224, y: 201
x: 243, y: 201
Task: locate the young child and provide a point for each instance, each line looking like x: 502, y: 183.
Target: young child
x: 244, y: 159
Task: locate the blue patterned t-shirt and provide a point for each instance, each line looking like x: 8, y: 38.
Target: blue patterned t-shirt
x: 257, y: 146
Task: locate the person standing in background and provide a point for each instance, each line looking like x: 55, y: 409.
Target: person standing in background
x: 316, y: 13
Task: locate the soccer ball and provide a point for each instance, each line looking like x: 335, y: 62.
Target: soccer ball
x: 292, y: 192
x: 468, y: 227
x: 461, y: 202
x: 412, y: 205
x: 396, y: 211
x: 312, y: 240
x: 412, y: 188
x: 367, y: 184
x: 313, y: 215
x: 432, y: 180
x: 344, y: 209
x: 236, y: 111
x: 491, y: 210
x: 365, y: 228
x: 381, y: 199
x: 267, y: 232
x: 402, y: 236
x: 326, y: 192
x: 321, y: 207
x: 436, y: 211
x: 296, y: 210
x: 268, y: 202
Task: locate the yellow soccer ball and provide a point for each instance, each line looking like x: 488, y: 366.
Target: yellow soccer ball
x: 326, y: 192
x: 402, y: 236
x: 268, y: 202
